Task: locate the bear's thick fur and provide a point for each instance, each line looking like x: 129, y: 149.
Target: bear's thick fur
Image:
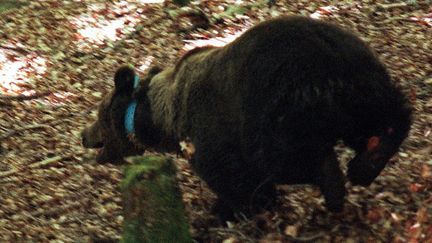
x: 265, y: 109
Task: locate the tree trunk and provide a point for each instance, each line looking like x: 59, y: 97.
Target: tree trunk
x: 152, y: 204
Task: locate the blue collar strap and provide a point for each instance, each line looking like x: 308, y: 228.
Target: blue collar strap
x: 129, y: 118
x: 136, y: 81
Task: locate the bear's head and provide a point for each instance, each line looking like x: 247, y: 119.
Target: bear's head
x: 376, y: 148
x: 109, y: 132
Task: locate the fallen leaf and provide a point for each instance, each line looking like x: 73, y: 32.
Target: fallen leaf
x: 291, y: 230
x: 416, y: 187
x: 188, y: 149
x: 231, y: 240
x: 426, y: 172
x: 422, y: 215
x: 374, y: 215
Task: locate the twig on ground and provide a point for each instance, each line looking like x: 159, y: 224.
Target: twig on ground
x: 32, y: 166
x: 311, y: 238
x: 22, y: 97
x: 232, y: 231
x: 45, y: 162
x: 398, y: 18
x: 392, y: 5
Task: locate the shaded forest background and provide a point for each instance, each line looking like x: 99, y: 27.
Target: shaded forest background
x: 57, y: 60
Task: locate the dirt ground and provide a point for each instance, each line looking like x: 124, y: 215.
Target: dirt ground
x: 57, y: 60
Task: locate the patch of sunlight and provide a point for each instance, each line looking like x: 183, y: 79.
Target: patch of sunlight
x: 424, y: 20
x: 151, y: 1
x: 105, y: 23
x: 17, y: 71
x: 228, y: 37
x: 55, y: 99
x: 145, y: 64
x: 324, y: 11
x: 100, y: 33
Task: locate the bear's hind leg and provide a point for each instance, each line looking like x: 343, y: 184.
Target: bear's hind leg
x: 332, y: 183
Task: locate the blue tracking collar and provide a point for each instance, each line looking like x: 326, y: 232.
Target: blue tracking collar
x: 129, y: 118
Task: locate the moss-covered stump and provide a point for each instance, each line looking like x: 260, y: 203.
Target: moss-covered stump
x: 152, y: 205
x: 10, y: 4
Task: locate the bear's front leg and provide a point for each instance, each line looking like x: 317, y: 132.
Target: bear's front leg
x: 332, y: 183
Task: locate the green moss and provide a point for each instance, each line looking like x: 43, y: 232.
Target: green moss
x: 235, y: 9
x: 153, y: 207
x: 9, y: 4
x: 140, y: 166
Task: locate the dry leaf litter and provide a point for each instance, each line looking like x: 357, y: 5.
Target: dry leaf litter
x: 57, y: 60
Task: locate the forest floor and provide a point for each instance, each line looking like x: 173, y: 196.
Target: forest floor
x: 57, y: 60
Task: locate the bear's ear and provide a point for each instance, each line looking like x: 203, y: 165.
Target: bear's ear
x: 124, y: 80
x: 141, y: 92
x: 154, y: 70
x: 150, y: 74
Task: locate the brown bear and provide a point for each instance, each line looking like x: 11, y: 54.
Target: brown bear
x: 263, y: 110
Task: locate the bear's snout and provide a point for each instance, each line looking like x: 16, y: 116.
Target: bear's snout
x: 85, y: 141
x: 91, y: 137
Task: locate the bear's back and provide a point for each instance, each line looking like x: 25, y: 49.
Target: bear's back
x: 283, y: 74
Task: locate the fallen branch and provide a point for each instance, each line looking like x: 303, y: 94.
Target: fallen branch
x: 392, y: 5
x: 22, y: 97
x: 31, y: 166
x: 45, y: 162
